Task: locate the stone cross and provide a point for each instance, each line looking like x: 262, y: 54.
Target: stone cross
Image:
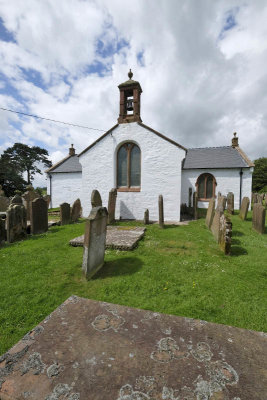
x: 94, y: 241
x: 76, y: 210
x: 210, y: 213
x: 230, y: 203
x: 64, y: 214
x: 244, y: 208
x: 195, y: 201
x: 16, y: 222
x: 39, y: 216
x: 258, y: 218
x: 112, y: 205
x: 161, y: 212
x: 146, y: 217
x: 96, y: 200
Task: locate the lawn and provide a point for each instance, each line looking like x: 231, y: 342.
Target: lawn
x: 178, y: 270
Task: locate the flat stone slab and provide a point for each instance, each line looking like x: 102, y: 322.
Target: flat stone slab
x: 118, y: 237
x: 98, y: 351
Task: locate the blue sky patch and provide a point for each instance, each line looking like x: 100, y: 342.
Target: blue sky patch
x: 5, y: 35
x: 229, y: 21
x: 140, y: 58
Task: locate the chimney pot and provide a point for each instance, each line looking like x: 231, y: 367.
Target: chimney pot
x: 234, y: 140
x: 72, y: 151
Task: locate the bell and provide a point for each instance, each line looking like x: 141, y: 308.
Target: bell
x: 129, y: 104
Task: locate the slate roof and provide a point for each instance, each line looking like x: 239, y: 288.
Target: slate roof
x: 216, y: 157
x: 68, y: 164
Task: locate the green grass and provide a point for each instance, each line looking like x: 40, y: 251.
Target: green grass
x: 178, y: 270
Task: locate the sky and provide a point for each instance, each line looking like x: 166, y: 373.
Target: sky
x: 201, y: 65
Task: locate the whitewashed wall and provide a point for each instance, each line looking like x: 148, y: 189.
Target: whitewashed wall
x: 228, y: 180
x: 66, y: 187
x: 160, y: 174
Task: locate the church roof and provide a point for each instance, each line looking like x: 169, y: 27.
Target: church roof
x: 216, y: 157
x: 68, y: 164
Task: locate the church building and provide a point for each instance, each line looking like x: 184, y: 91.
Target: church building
x: 142, y: 163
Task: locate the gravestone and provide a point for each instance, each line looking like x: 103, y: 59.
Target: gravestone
x: 65, y: 214
x: 39, y: 216
x: 2, y: 193
x: 16, y: 200
x: 16, y: 223
x: 195, y: 201
x: 190, y: 198
x: 4, y: 203
x: 146, y: 217
x: 47, y: 198
x: 215, y: 226
x: 161, y: 212
x: 210, y: 213
x: 258, y: 218
x: 225, y: 234
x: 112, y: 205
x: 230, y: 203
x: 96, y: 200
x: 221, y: 203
x: 244, y: 208
x: 76, y: 210
x: 2, y: 229
x: 28, y: 197
x: 94, y: 241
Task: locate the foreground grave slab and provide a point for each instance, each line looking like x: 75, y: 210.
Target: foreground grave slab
x: 98, y: 351
x: 118, y: 237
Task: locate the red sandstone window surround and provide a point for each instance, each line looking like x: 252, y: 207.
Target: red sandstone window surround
x: 128, y: 168
x: 205, y: 186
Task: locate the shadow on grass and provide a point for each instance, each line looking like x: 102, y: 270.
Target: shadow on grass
x: 119, y: 267
x: 237, y: 233
x: 237, y: 251
x: 235, y: 241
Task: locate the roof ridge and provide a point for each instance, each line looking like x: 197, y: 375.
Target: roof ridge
x: 211, y: 147
x: 59, y: 163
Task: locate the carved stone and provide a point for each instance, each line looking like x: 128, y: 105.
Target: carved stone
x: 112, y: 205
x: 65, y: 214
x: 39, y: 216
x: 161, y: 212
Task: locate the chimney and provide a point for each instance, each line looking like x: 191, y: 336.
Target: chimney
x: 235, y: 140
x: 72, y: 151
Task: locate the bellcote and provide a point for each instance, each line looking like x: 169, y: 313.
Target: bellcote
x: 130, y: 102
x: 235, y: 140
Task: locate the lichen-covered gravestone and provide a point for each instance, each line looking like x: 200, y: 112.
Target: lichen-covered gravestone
x: 112, y: 205
x: 27, y: 198
x: 95, y: 238
x: 146, y: 217
x: 76, y: 210
x: 215, y: 226
x: 210, y: 213
x: 39, y: 216
x: 221, y: 203
x: 64, y: 213
x: 225, y: 234
x: 96, y: 200
x: 230, y: 203
x: 244, y: 208
x: 258, y: 218
x: 47, y: 198
x: 16, y: 220
x: 161, y: 212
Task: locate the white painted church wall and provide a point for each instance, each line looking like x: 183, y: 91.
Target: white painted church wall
x: 66, y: 187
x: 228, y: 180
x: 160, y: 174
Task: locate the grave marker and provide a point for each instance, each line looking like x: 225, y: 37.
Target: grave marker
x: 39, y: 216
x: 210, y: 213
x: 4, y: 203
x: 244, y: 208
x: 161, y: 212
x: 215, y: 226
x: 2, y: 229
x: 76, y: 210
x: 225, y: 234
x: 28, y: 197
x: 96, y: 200
x: 112, y: 205
x: 195, y: 201
x: 16, y: 222
x: 64, y: 213
x: 2, y: 193
x: 258, y: 218
x: 230, y: 203
x: 190, y: 198
x: 146, y: 217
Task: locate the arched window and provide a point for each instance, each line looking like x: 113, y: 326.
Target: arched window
x: 129, y: 168
x: 206, y: 184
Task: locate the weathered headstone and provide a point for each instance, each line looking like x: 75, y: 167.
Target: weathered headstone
x: 28, y: 197
x: 65, y: 214
x: 244, y: 208
x: 161, y: 212
x: 47, y: 198
x: 215, y: 226
x: 16, y: 223
x: 96, y: 200
x: 94, y: 241
x: 190, y: 197
x: 76, y: 210
x: 39, y: 216
x: 258, y: 218
x: 210, y: 213
x: 221, y: 203
x: 225, y: 234
x: 16, y: 200
x: 112, y: 205
x: 2, y: 229
x: 195, y: 203
x: 230, y: 203
x: 4, y: 203
x: 146, y: 217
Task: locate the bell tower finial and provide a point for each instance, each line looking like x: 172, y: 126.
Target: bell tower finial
x: 130, y: 93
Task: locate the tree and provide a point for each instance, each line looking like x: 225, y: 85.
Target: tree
x: 10, y: 179
x: 259, y: 178
x: 25, y: 158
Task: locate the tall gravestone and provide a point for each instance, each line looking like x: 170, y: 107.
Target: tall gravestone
x: 258, y: 218
x: 146, y: 217
x: 230, y: 203
x: 64, y: 214
x: 112, y: 205
x: 28, y: 197
x: 2, y: 229
x: 195, y: 203
x: 190, y: 197
x: 225, y: 234
x: 244, y: 208
x: 47, y: 198
x: 16, y: 222
x: 161, y: 212
x: 215, y: 226
x: 210, y: 213
x: 221, y: 203
x: 95, y: 237
x: 76, y: 210
x: 39, y: 216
